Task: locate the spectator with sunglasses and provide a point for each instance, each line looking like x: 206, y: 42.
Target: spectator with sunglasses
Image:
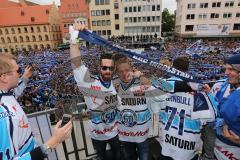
x: 102, y: 126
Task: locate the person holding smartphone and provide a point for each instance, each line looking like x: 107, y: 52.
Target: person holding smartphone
x: 17, y: 141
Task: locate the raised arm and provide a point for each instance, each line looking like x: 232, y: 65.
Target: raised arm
x: 75, y: 55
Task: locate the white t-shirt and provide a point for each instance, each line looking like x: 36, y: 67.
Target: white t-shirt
x: 102, y: 104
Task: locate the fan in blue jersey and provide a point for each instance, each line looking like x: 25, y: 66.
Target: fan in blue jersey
x: 16, y: 139
x: 227, y: 144
x: 102, y: 126
x: 181, y: 118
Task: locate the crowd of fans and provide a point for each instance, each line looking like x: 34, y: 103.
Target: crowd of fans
x: 52, y: 82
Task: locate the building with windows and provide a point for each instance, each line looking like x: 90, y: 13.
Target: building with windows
x: 106, y: 17
x: 27, y: 27
x: 73, y: 11
x: 132, y: 18
x: 142, y: 18
x: 205, y: 18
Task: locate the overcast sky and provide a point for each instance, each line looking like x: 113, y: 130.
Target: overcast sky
x: 170, y: 4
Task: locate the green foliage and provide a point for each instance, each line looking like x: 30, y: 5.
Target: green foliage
x: 168, y: 21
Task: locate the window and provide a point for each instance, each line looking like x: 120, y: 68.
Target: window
x: 94, y: 23
x: 104, y: 32
x: 32, y: 30
x: 229, y: 4
x: 1, y: 32
x: 191, y: 5
x: 104, y: 22
x: 97, y: 2
x: 116, y: 6
x: 130, y: 9
x: 107, y: 1
x: 158, y: 18
x: 203, y: 5
x: 116, y: 16
x: 108, y: 22
x: 227, y: 15
x: 98, y: 13
x: 148, y: 19
x: 144, y: 19
x: 189, y: 27
x: 27, y: 39
x: 238, y: 3
x: 99, y: 32
x: 158, y: 7
x: 101, y: 2
x: 46, y: 38
x: 125, y: 19
x: 93, y: 13
x: 103, y: 12
x: 38, y: 29
x: 134, y: 9
x: 2, y: 40
x: 126, y: 9
x: 47, y: 11
x: 190, y: 16
x: 22, y: 13
x: 216, y: 4
x: 153, y: 18
x: 214, y: 15
x: 45, y: 29
x: 108, y: 32
x: 153, y: 8
x: 139, y: 19
x: 21, y: 39
x: 13, y: 31
x: 238, y: 14
x: 134, y: 19
x: 236, y: 26
x: 108, y: 12
x: 99, y: 22
x: 202, y: 16
x: 40, y: 38
x: 116, y: 26
x: 139, y: 8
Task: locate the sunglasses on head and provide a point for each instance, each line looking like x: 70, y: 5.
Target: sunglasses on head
x: 104, y: 68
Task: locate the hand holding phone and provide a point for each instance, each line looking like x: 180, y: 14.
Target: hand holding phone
x: 65, y: 119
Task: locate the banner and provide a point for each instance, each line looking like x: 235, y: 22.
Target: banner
x: 213, y: 29
x: 95, y: 39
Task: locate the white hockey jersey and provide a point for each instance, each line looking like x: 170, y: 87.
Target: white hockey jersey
x: 16, y: 139
x: 181, y: 117
x: 134, y: 114
x: 102, y: 104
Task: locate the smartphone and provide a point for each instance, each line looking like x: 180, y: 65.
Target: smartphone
x: 65, y: 119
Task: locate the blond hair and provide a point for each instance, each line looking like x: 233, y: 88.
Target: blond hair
x: 121, y: 59
x: 5, y: 62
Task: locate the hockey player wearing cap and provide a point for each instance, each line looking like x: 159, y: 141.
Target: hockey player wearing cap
x: 227, y: 144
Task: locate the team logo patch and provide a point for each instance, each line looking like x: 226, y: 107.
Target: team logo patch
x: 108, y: 116
x: 128, y: 118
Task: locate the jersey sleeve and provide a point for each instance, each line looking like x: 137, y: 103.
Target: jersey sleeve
x: 156, y: 102
x: 204, y: 107
x: 20, y: 88
x: 82, y: 76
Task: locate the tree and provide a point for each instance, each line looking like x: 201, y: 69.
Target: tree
x: 168, y: 21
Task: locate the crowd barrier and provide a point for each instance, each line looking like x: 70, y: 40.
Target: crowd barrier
x: 79, y: 145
